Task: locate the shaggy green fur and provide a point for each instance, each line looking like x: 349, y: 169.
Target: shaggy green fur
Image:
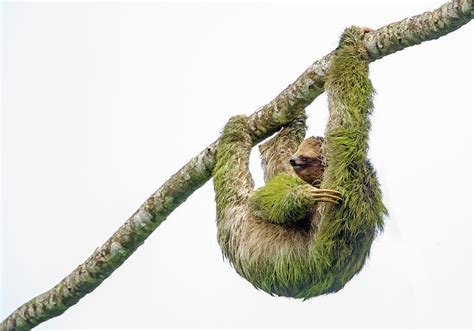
x: 283, y: 200
x: 229, y: 179
x: 291, y: 261
x: 346, y: 232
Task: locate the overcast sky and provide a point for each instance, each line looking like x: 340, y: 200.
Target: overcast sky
x: 103, y: 102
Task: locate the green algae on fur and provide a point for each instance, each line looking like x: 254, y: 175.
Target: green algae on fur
x: 282, y: 200
x: 304, y: 262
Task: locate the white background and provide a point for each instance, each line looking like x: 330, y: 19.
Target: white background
x: 103, y: 102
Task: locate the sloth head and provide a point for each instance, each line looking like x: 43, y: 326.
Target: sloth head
x: 307, y: 161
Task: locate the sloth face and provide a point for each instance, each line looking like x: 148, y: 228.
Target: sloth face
x: 307, y: 161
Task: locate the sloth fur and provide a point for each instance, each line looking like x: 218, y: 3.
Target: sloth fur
x: 279, y: 237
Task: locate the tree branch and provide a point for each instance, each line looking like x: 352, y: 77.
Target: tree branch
x: 417, y: 29
x: 264, y: 122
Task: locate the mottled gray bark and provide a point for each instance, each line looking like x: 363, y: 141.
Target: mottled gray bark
x: 264, y: 122
x: 417, y: 29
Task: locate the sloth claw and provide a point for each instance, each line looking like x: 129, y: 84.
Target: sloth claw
x: 325, y: 195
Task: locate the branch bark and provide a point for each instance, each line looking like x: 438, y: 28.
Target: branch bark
x: 263, y: 122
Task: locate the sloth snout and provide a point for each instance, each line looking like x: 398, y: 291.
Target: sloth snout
x: 293, y: 160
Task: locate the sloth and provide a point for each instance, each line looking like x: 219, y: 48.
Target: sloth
x: 309, y: 230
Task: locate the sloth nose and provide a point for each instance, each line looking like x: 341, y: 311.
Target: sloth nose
x: 293, y: 160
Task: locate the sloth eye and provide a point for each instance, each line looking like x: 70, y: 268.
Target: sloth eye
x: 313, y: 160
